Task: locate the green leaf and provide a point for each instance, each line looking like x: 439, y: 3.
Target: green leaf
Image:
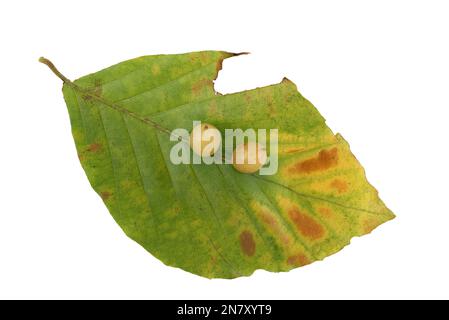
x: 210, y: 219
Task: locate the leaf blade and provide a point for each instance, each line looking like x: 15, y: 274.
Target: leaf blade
x: 212, y: 220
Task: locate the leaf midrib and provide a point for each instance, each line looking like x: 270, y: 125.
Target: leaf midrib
x: 159, y: 127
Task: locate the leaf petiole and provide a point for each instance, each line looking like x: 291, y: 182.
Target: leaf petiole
x: 52, y: 67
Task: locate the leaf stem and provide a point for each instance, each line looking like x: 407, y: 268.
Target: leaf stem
x: 52, y: 67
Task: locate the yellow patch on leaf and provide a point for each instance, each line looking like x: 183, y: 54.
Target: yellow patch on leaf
x: 155, y: 69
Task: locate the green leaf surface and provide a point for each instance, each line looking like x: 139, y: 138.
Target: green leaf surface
x: 210, y: 219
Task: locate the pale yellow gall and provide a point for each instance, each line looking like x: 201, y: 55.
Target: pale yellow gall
x: 249, y: 157
x: 205, y: 139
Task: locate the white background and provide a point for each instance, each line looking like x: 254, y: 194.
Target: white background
x: 378, y: 71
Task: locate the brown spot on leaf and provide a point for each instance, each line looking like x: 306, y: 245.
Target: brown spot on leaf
x: 247, y: 243
x: 105, y: 195
x: 293, y: 150
x: 307, y: 226
x: 204, y: 57
x: 325, y: 212
x: 94, y: 147
x: 213, y: 260
x: 370, y: 224
x: 298, y: 260
x: 193, y: 58
x: 270, y: 221
x: 325, y: 159
x: 81, y: 157
x: 340, y: 185
x: 95, y: 90
x: 199, y: 85
x: 213, y: 109
x: 219, y: 65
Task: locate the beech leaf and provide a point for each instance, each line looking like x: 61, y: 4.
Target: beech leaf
x: 212, y: 220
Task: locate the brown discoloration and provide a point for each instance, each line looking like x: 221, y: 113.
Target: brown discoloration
x: 213, y: 111
x: 298, y: 260
x: 219, y: 65
x: 94, y: 147
x: 370, y: 224
x: 204, y: 57
x: 287, y: 81
x: 87, y: 97
x: 81, y: 157
x: 199, y: 85
x: 96, y: 90
x: 293, y: 150
x: 213, y: 261
x: 270, y: 221
x: 272, y: 109
x: 339, y: 185
x: 177, y: 209
x: 325, y: 212
x: 325, y: 159
x: 307, y: 226
x: 247, y: 243
x: 105, y: 195
x: 193, y: 58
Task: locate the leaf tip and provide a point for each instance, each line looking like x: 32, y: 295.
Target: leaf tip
x: 288, y: 82
x: 235, y: 54
x: 241, y: 53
